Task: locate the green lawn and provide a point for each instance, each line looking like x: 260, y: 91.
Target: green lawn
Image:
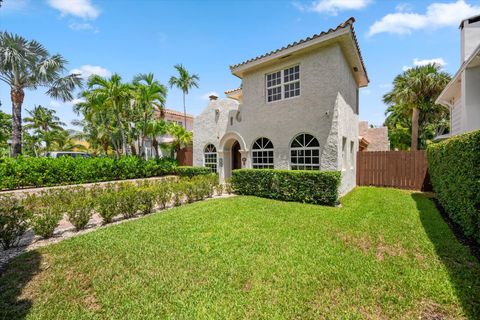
x: 384, y: 254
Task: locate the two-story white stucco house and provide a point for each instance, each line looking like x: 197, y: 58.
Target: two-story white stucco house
x: 462, y: 94
x: 297, y: 108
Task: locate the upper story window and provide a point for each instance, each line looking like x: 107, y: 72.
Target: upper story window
x: 283, y: 84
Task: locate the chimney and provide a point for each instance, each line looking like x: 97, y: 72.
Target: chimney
x: 213, y: 97
x: 470, y: 36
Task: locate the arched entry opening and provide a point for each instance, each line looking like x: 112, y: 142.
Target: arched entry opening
x: 232, y: 153
x: 236, y: 156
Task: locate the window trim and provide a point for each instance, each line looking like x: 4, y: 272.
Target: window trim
x: 261, y: 150
x: 282, y: 83
x: 216, y: 157
x: 307, y: 148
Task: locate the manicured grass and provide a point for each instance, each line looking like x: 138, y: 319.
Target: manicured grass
x: 383, y: 254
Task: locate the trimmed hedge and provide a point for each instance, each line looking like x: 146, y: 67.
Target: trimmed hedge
x: 319, y: 187
x: 188, y: 171
x: 39, y: 172
x: 454, y: 167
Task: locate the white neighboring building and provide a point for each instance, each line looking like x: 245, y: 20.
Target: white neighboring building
x: 297, y: 109
x: 462, y: 94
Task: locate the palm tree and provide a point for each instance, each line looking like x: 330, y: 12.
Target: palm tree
x: 156, y: 128
x: 27, y: 64
x: 150, y: 96
x: 184, y: 82
x: 181, y: 137
x: 114, y: 94
x: 45, y: 125
x: 415, y: 91
x: 66, y: 141
x: 43, y: 119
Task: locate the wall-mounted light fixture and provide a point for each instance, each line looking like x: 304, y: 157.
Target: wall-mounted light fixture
x: 244, y: 160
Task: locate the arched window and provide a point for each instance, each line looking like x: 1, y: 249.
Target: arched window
x: 262, y: 154
x: 305, y: 153
x: 210, y: 157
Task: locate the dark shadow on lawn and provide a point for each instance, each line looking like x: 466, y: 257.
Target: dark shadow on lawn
x: 462, y: 266
x: 14, y: 277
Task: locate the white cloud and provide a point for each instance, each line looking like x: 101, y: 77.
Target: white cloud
x: 332, y: 7
x: 208, y: 94
x: 87, y: 70
x: 439, y: 61
x: 422, y: 62
x: 81, y: 26
x: 78, y: 8
x: 15, y: 5
x: 438, y: 15
x: 366, y: 92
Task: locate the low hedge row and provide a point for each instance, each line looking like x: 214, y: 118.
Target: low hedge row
x: 454, y: 167
x: 318, y: 187
x: 39, y: 172
x: 42, y: 212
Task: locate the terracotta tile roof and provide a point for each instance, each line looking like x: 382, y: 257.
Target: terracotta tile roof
x: 232, y: 90
x: 347, y: 24
x: 176, y: 113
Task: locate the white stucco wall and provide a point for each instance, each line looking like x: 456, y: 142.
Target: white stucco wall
x: 472, y: 99
x: 326, y: 108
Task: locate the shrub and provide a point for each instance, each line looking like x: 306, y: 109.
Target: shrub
x: 13, y: 220
x: 319, y: 187
x: 187, y: 171
x: 107, y: 204
x: 163, y: 194
x: 454, y: 167
x: 47, y: 211
x: 37, y: 172
x: 128, y: 200
x: 80, y: 208
x: 179, y: 190
x: 146, y: 199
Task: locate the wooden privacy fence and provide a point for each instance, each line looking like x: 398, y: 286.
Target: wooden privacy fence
x: 397, y: 169
x: 185, y: 156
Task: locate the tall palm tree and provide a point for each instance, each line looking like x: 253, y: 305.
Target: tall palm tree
x: 185, y: 81
x: 150, y: 96
x: 181, y: 137
x: 66, y: 141
x: 415, y: 91
x: 26, y: 64
x: 115, y: 94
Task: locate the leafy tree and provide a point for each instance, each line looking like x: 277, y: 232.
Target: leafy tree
x: 5, y: 128
x: 185, y: 81
x: 26, y: 64
x: 413, y: 97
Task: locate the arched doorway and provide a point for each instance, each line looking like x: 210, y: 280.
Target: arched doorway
x: 236, y: 156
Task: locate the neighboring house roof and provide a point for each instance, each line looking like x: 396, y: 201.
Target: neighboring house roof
x: 344, y: 29
x: 235, y: 94
x: 176, y: 113
x: 373, y: 139
x: 452, y: 90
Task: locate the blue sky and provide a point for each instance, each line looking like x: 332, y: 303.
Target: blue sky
x: 130, y: 37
